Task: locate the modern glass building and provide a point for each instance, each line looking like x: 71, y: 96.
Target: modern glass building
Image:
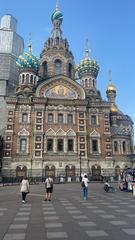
x: 11, y: 46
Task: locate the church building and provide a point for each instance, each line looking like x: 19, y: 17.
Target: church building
x: 59, y: 126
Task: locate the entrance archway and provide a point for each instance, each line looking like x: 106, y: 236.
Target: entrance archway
x: 70, y: 171
x: 96, y: 172
x: 21, y: 171
x: 50, y: 171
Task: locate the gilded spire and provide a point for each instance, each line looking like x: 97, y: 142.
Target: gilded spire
x: 111, y: 87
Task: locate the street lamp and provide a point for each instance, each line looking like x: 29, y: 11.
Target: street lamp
x: 80, y: 167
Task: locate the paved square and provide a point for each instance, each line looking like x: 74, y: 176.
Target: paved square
x: 67, y: 216
x: 129, y: 231
x: 118, y: 223
x: 56, y: 235
x: 86, y: 224
x: 16, y: 236
x: 53, y: 225
x: 97, y: 233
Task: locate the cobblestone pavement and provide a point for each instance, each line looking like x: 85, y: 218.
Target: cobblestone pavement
x: 103, y: 216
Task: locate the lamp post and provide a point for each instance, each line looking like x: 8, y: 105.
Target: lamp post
x: 80, y: 167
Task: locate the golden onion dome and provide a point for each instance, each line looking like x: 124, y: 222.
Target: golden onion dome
x: 111, y: 87
x: 113, y: 108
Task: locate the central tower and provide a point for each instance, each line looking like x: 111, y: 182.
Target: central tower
x: 56, y: 58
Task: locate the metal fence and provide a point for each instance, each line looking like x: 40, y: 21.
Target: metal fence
x: 37, y: 176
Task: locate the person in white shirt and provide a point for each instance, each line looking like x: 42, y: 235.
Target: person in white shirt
x: 108, y: 188
x: 24, y: 188
x: 85, y: 187
x: 49, y: 189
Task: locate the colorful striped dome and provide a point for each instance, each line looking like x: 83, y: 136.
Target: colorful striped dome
x: 28, y: 60
x: 88, y: 66
x: 57, y: 15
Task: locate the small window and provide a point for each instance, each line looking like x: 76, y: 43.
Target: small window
x: 70, y: 145
x: 93, y: 120
x: 124, y: 146
x: 23, y: 78
x: 50, y: 118
x: 50, y: 145
x: 45, y: 70
x: 70, y: 119
x: 39, y: 120
x: 24, y: 117
x: 60, y: 118
x: 69, y: 70
x: 115, y: 146
x: 94, y: 146
x: 27, y: 78
x: 23, y: 145
x: 31, y: 79
x: 81, y: 115
x: 58, y: 66
x: 60, y: 145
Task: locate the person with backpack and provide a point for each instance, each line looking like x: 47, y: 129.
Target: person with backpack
x: 85, y: 186
x: 49, y: 188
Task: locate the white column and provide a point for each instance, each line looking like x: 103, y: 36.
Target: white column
x: 55, y: 145
x: 65, y: 145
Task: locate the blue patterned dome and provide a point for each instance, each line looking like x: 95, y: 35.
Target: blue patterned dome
x: 57, y: 15
x: 28, y: 60
x: 88, y: 66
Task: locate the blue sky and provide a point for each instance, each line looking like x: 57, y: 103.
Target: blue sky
x: 109, y: 26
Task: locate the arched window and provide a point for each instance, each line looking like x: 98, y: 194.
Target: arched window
x: 23, y: 145
x: 23, y: 78
x: 45, y: 70
x: 115, y: 146
x: 57, y: 40
x: 31, y: 79
x: 69, y: 70
x: 86, y: 82
x: 24, y: 117
x: 27, y: 78
x: 57, y: 65
x: 60, y: 145
x: 70, y: 145
x: 94, y: 145
x: 124, y: 146
x: 49, y: 145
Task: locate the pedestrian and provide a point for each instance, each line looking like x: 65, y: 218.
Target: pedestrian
x: 108, y: 187
x: 49, y: 189
x: 24, y: 188
x: 85, y: 186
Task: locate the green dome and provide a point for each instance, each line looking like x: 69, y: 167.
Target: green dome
x: 57, y: 15
x: 28, y: 60
x: 88, y: 66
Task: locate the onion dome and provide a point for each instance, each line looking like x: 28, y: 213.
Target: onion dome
x: 57, y: 15
x: 111, y: 87
x: 113, y: 108
x: 88, y: 66
x: 28, y: 60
